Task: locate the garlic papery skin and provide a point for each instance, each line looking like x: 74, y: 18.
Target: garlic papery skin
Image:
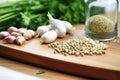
x: 22, y: 30
x: 4, y: 34
x: 42, y: 29
x: 33, y: 33
x: 70, y: 29
x: 12, y: 29
x: 16, y: 34
x: 27, y: 35
x: 48, y: 37
x: 9, y: 39
x: 57, y: 25
x: 20, y: 40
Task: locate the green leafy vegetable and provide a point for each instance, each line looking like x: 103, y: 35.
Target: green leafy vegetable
x: 32, y: 13
x: 40, y: 72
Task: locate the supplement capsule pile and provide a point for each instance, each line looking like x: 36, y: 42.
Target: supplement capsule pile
x: 83, y: 46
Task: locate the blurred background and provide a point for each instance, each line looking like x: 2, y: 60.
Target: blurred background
x: 33, y: 13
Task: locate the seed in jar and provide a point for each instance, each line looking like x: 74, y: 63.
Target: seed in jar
x: 100, y: 24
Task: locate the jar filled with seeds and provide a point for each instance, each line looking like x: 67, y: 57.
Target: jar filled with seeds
x: 101, y: 19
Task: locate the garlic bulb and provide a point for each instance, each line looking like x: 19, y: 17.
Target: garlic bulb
x: 69, y: 27
x: 57, y: 25
x: 42, y: 29
x: 48, y: 37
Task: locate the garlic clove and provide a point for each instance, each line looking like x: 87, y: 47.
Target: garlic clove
x: 48, y: 37
x: 67, y: 24
x: 31, y: 32
x: 27, y: 35
x: 70, y: 29
x: 57, y: 25
x: 20, y: 40
x: 49, y: 27
x: 9, y: 39
x: 4, y: 34
x: 12, y: 29
x: 60, y: 34
x: 16, y: 34
x: 42, y: 29
x: 22, y: 30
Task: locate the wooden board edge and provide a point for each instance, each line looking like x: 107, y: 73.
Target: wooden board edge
x: 72, y: 68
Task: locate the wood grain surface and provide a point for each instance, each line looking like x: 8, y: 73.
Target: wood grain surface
x: 103, y: 67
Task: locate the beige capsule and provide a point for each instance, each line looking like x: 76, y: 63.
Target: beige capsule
x: 77, y: 54
x: 55, y: 52
x: 73, y: 47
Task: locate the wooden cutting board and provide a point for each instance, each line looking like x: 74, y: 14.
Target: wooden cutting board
x: 103, y: 67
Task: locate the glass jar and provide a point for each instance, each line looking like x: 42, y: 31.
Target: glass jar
x: 101, y: 19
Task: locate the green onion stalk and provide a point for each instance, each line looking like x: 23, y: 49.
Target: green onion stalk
x: 32, y: 13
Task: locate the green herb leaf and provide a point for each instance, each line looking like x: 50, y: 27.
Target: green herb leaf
x: 33, y: 13
x: 40, y: 72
